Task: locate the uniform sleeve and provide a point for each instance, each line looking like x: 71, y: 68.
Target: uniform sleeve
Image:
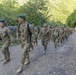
x: 17, y: 32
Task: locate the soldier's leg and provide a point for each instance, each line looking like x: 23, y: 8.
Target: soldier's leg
x: 3, y: 50
x: 58, y: 41
x: 25, y: 56
x: 6, y: 54
x: 55, y: 43
x: 42, y: 42
x: 30, y: 46
x: 61, y: 40
x: 43, y: 45
x: 54, y: 38
x: 36, y: 41
x: 27, y: 60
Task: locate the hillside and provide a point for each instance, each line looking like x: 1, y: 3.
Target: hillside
x: 61, y: 9
x: 58, y: 9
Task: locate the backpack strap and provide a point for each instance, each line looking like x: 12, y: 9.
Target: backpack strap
x: 29, y: 32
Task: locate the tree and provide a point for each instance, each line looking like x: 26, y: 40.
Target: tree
x: 8, y: 11
x: 71, y: 20
x: 36, y: 10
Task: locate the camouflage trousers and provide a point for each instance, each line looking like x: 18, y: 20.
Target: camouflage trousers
x: 25, y: 52
x: 5, y: 50
x: 44, y: 43
x: 12, y: 39
x: 36, y: 40
x: 56, y: 41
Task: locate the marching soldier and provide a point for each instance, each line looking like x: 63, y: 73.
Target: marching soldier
x: 4, y: 34
x: 45, y: 36
x: 27, y: 35
x: 56, y: 37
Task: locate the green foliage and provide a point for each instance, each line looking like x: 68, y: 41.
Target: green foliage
x: 61, y: 9
x: 39, y: 11
x: 35, y: 10
x: 55, y: 23
x: 71, y: 20
x: 8, y: 11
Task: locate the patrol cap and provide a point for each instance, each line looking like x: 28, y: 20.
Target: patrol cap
x: 3, y: 21
x: 22, y: 16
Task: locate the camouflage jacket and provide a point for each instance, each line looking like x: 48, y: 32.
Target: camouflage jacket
x: 4, y: 34
x: 23, y: 31
x: 44, y: 33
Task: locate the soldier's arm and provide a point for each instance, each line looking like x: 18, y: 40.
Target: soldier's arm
x: 17, y: 34
x: 8, y: 31
x: 40, y: 33
x: 17, y: 31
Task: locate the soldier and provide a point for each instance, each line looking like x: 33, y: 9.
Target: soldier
x: 25, y: 31
x: 5, y: 40
x: 56, y: 37
x: 45, y: 36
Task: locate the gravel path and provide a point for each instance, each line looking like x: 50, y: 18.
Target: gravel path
x: 59, y: 62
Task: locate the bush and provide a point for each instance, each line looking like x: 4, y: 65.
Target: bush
x: 71, y: 20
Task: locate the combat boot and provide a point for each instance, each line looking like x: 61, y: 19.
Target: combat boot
x: 6, y: 59
x: 44, y: 52
x: 20, y: 69
x: 27, y: 61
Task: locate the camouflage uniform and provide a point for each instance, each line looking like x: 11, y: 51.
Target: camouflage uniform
x: 36, y: 35
x: 24, y: 37
x: 45, y: 37
x: 6, y: 42
x: 56, y: 37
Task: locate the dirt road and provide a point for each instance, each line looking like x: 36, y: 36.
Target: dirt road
x: 59, y: 62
